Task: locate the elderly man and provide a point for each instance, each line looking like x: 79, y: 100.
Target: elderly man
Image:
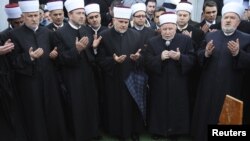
x: 224, y: 58
x: 75, y: 60
x: 35, y: 78
x: 118, y: 55
x: 169, y: 59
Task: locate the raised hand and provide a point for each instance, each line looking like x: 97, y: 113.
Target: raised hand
x: 35, y: 54
x: 53, y: 54
x: 175, y: 55
x: 185, y: 32
x: 82, y: 43
x: 165, y: 55
x: 119, y: 59
x: 135, y: 56
x: 96, y: 41
x: 7, y: 47
x: 209, y: 49
x: 234, y: 47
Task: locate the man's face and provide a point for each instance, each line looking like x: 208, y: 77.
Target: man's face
x: 182, y: 18
x: 230, y: 22
x: 94, y: 19
x: 57, y: 16
x: 151, y: 8
x: 210, y: 13
x: 139, y: 18
x: 121, y: 25
x: 77, y: 17
x: 156, y: 17
x: 16, y: 22
x: 168, y: 30
x: 31, y: 19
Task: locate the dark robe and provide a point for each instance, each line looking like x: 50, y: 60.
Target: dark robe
x: 146, y: 33
x: 6, y: 94
x: 5, y: 33
x: 11, y: 128
x: 92, y: 32
x: 78, y: 76
x: 221, y: 74
x: 168, y: 83
x: 244, y: 26
x: 98, y: 77
x: 203, y: 22
x: 52, y: 27
x: 197, y: 35
x: 122, y: 117
x: 37, y: 85
x: 197, y: 38
x: 192, y: 23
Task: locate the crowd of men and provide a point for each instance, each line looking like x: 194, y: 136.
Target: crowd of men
x: 137, y: 68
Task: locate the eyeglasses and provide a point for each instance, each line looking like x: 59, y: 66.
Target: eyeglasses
x: 140, y: 16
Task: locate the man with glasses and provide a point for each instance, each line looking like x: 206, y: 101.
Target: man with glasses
x: 139, y: 20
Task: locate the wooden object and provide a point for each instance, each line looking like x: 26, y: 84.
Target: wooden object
x: 232, y: 111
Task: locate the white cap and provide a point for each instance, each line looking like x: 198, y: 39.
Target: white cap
x: 29, y: 6
x: 13, y: 11
x: 228, y: 1
x: 73, y: 4
x: 233, y: 7
x: 122, y: 12
x: 138, y: 7
x: 93, y: 7
x: 54, y: 5
x: 169, y: 5
x: 168, y: 17
x: 184, y: 5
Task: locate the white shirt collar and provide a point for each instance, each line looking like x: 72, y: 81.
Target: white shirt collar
x: 209, y: 24
x: 58, y: 26
x: 95, y: 30
x: 73, y: 26
x: 179, y: 28
x: 138, y: 27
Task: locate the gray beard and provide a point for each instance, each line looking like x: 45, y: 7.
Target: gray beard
x: 228, y: 30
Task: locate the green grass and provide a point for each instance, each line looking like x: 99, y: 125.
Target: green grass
x: 144, y: 137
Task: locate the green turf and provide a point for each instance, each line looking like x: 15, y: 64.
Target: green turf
x: 144, y: 137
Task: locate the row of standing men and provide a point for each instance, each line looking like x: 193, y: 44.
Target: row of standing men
x: 60, y: 76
